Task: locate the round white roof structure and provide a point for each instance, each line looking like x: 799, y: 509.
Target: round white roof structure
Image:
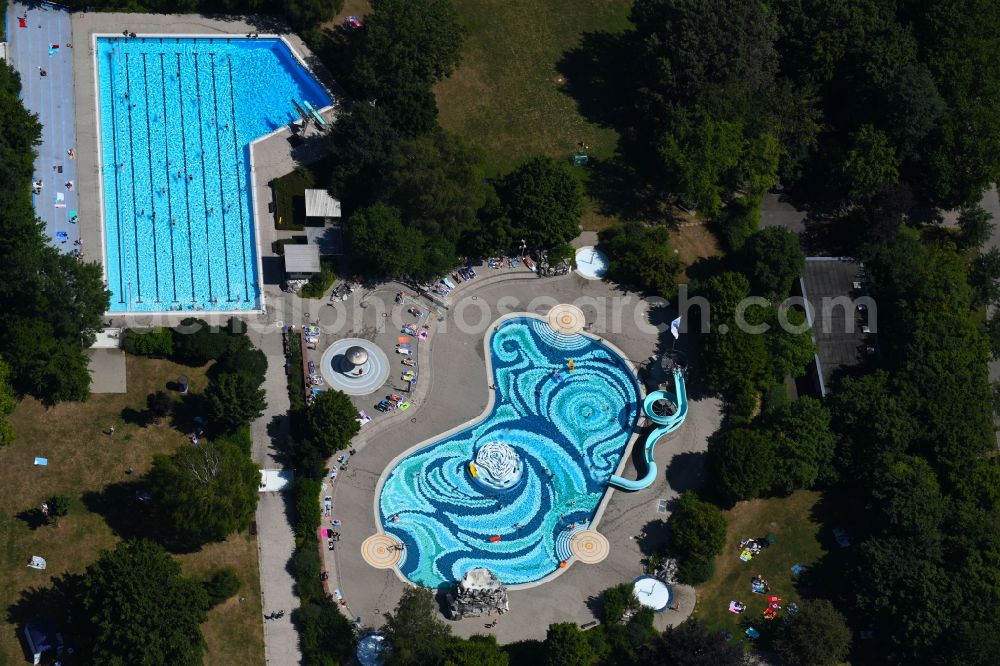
x: 591, y: 262
x: 356, y: 355
x: 652, y: 592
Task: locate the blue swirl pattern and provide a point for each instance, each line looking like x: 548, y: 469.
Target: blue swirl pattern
x: 570, y: 428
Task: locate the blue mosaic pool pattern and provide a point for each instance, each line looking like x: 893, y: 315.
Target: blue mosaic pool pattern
x: 570, y: 428
x: 177, y: 118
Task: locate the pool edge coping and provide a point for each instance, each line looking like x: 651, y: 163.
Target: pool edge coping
x: 262, y: 304
x: 490, y: 401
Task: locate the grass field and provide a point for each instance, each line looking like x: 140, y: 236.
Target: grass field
x: 84, y: 459
x: 507, y: 96
x: 790, y: 520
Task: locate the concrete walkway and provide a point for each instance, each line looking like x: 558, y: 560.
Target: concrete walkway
x: 45, y: 45
x: 275, y: 540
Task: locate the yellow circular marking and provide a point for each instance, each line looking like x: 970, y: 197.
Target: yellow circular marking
x: 381, y: 551
x: 566, y: 319
x: 589, y: 546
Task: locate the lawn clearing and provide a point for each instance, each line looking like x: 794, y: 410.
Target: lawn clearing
x: 791, y: 521
x: 84, y: 458
x: 506, y: 96
x: 694, y: 242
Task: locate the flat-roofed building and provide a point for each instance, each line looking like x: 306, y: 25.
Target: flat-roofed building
x: 841, y: 314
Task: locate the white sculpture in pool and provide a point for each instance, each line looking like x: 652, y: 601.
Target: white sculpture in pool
x: 497, y: 466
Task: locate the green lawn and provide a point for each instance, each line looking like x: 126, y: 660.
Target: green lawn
x: 289, y: 198
x: 790, y: 520
x: 507, y: 98
x: 83, y: 460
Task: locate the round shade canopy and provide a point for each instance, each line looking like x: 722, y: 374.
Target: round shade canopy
x: 356, y: 355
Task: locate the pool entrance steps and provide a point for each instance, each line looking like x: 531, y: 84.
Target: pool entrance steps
x: 667, y: 425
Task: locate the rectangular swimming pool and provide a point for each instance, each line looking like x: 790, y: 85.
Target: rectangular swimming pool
x: 177, y: 117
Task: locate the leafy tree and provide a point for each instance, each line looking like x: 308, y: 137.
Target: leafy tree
x: 438, y: 181
x: 196, y: 343
x: 984, y: 277
x: 362, y: 151
x: 975, y: 225
x: 304, y: 14
x: 476, y: 651
x: 805, y: 444
x: 325, y: 633
x: 775, y: 261
x: 733, y: 358
x: 158, y: 405
x: 243, y: 358
x: 616, y: 600
x: 738, y: 221
x: 47, y: 367
x: 815, y: 636
x: 308, y: 515
x: 204, y: 493
x: 136, y: 608
x: 156, y: 341
x: 331, y: 420
x: 742, y: 464
x: 906, y: 498
x: 691, y: 643
x: 993, y: 334
x: 7, y: 403
x: 416, y: 635
x: 58, y: 507
x: 407, y: 46
x: 382, y: 244
x: 641, y: 256
x: 233, y: 401
x: 543, y: 201
x: 221, y: 585
x: 566, y: 645
x: 697, y: 535
x: 869, y: 165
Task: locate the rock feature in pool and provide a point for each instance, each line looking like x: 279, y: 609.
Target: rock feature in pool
x: 569, y: 430
x: 497, y: 467
x: 478, y: 594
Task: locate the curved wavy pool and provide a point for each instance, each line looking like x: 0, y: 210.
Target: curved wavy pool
x: 568, y: 428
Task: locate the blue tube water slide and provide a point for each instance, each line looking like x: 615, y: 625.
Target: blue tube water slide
x: 666, y: 425
x: 314, y: 112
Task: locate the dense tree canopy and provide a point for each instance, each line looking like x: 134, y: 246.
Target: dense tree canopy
x: 413, y: 630
x: 136, y: 608
x: 407, y: 46
x: 641, y: 256
x: 204, y: 493
x: 542, y: 202
x: 815, y: 636
x: 233, y: 401
x: 774, y: 261
x: 691, y: 643
x: 697, y: 535
x: 332, y: 420
x: 742, y: 464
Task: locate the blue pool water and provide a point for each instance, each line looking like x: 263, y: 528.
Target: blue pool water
x: 570, y: 432
x: 177, y: 118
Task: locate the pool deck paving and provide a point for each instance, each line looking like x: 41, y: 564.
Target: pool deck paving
x: 45, y: 45
x: 454, y: 392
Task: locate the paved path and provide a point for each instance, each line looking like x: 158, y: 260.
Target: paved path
x: 44, y: 45
x: 275, y: 540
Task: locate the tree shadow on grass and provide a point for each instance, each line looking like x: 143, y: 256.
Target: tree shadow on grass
x: 33, y: 518
x: 125, y: 507
x: 53, y: 604
x: 185, y: 411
